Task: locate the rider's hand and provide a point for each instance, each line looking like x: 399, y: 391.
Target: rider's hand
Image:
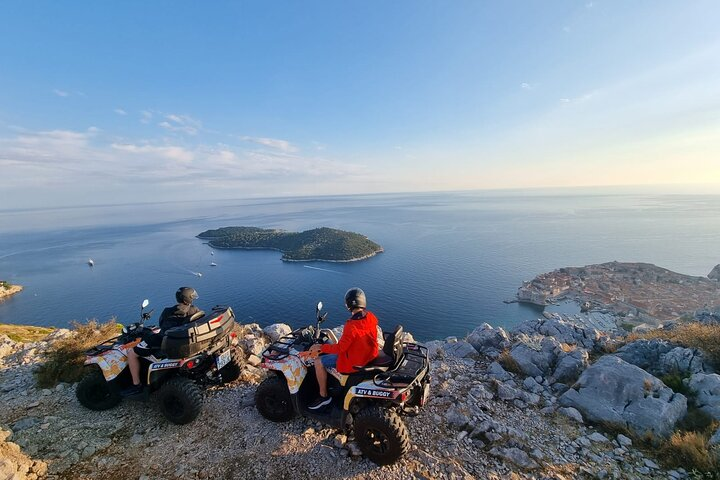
x: 315, y: 349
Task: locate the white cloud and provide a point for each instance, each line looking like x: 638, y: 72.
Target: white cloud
x: 527, y: 86
x: 61, y: 93
x: 565, y: 100
x: 589, y: 5
x: 120, y: 111
x: 282, y: 145
x: 146, y: 116
x: 175, y: 153
x: 181, y: 123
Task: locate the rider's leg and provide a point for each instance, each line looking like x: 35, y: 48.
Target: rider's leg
x: 321, y: 375
x: 134, y: 364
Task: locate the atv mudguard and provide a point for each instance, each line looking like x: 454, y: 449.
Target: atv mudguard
x: 111, y: 363
x: 292, y: 368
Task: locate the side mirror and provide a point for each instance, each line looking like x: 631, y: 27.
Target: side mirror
x: 319, y: 307
x: 145, y: 303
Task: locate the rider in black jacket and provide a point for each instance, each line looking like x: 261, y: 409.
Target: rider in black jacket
x: 170, y: 317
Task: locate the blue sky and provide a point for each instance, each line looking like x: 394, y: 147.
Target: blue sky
x: 106, y: 102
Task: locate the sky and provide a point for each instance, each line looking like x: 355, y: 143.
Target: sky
x: 122, y: 102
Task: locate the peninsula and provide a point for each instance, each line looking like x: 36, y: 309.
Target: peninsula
x: 640, y: 292
x: 7, y: 289
x: 319, y: 244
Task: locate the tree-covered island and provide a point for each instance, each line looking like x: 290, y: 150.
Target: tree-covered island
x: 319, y: 244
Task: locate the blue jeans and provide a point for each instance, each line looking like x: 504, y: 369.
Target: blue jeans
x: 329, y: 360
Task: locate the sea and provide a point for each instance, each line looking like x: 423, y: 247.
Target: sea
x: 451, y: 260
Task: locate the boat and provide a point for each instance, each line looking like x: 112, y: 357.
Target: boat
x: 213, y: 264
x: 212, y: 253
x: 91, y: 262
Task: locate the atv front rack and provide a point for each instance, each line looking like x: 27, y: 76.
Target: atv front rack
x: 280, y: 348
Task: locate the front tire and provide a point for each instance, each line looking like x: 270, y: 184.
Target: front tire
x: 94, y: 392
x: 232, y: 370
x: 272, y: 399
x: 381, y: 435
x: 180, y: 400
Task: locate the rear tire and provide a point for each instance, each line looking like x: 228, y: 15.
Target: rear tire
x: 232, y: 370
x: 381, y: 435
x: 272, y: 399
x: 94, y: 392
x: 180, y: 400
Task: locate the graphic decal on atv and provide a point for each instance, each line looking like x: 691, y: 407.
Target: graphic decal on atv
x: 112, y: 362
x: 366, y: 392
x: 293, y: 369
x: 162, y: 366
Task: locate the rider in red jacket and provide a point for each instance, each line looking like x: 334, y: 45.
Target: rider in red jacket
x: 358, y: 345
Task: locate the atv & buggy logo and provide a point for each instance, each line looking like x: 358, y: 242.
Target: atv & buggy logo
x: 373, y: 393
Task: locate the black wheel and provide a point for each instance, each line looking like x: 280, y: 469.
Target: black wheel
x: 94, y: 392
x: 272, y: 399
x: 232, y: 370
x: 381, y: 435
x: 180, y: 400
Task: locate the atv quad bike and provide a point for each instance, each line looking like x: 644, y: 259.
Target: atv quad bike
x: 192, y: 356
x: 368, y: 403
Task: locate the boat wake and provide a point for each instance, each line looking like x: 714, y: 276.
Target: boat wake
x: 323, y: 269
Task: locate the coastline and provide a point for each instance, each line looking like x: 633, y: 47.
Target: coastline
x: 8, y: 292
x: 364, y: 257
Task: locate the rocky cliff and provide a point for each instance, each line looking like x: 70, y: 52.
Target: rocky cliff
x: 526, y: 404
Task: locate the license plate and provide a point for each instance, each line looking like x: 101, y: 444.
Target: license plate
x: 223, y: 359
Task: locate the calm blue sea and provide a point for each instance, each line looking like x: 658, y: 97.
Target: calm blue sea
x: 450, y: 258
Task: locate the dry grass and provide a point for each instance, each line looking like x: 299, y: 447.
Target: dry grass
x: 22, y: 333
x: 508, y: 362
x: 689, y: 450
x: 66, y: 357
x: 647, y: 385
x: 691, y: 335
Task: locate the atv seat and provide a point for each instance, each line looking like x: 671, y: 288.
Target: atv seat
x: 388, y: 358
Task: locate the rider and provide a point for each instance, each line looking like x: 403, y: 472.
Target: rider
x: 169, y: 318
x: 357, y: 346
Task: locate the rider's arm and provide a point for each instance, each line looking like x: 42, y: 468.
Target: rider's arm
x: 345, y: 342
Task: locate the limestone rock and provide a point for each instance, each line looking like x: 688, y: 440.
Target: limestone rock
x: 488, y: 340
x: 614, y: 392
x: 562, y: 330
x: 516, y: 456
x: 276, y: 330
x: 645, y: 354
x: 535, y: 359
x: 715, y: 439
x: 682, y: 360
x: 715, y: 273
x: 460, y: 349
x: 570, y: 365
x: 707, y: 392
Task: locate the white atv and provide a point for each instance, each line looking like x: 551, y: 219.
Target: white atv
x: 368, y: 403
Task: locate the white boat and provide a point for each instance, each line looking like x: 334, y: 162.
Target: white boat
x: 91, y: 262
x: 213, y: 264
x: 212, y: 253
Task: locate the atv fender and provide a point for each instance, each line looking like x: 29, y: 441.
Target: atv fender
x: 292, y: 368
x: 111, y: 363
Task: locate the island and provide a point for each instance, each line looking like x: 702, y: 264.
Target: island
x: 319, y: 244
x: 637, y: 292
x: 7, y: 289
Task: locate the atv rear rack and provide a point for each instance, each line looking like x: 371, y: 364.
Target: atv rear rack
x: 410, y: 368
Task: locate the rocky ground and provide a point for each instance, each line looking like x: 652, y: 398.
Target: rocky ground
x: 482, y: 421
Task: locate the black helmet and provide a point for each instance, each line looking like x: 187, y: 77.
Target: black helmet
x: 186, y: 295
x: 355, y: 298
